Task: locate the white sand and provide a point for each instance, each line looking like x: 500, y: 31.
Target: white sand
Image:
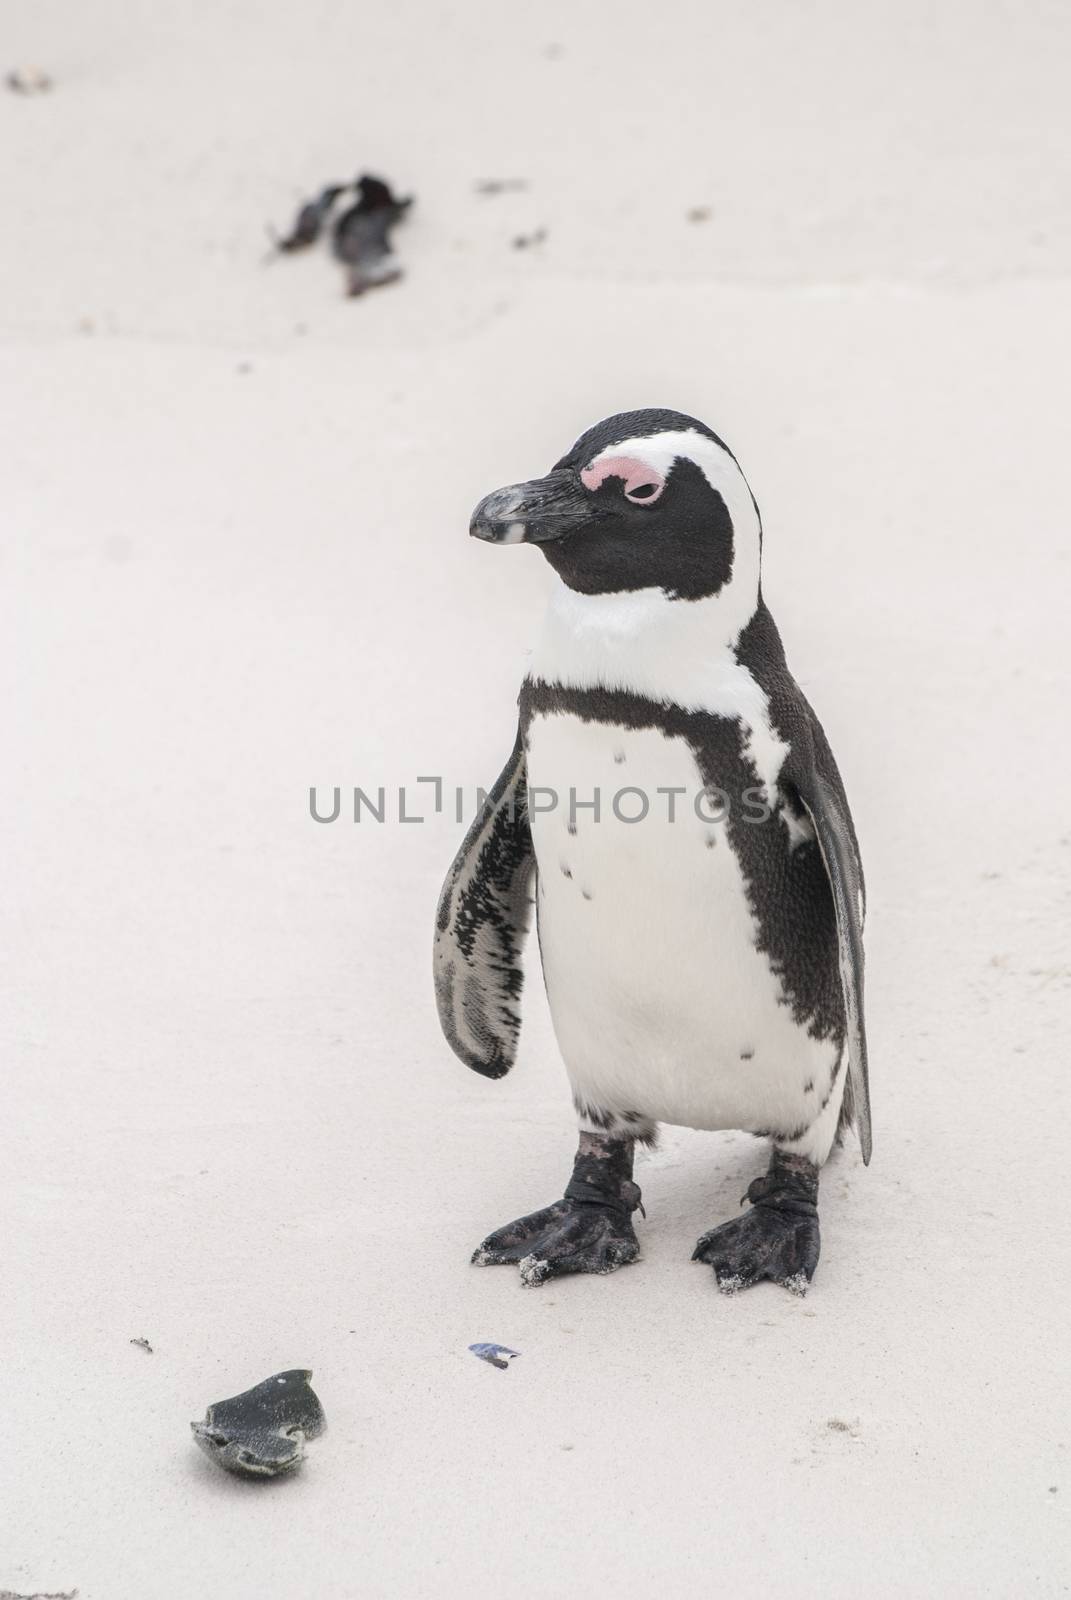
x: 231, y: 1124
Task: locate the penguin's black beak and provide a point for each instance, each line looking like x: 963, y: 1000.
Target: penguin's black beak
x: 533, y: 513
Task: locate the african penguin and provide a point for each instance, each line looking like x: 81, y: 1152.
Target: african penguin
x: 699, y: 891
x: 362, y: 236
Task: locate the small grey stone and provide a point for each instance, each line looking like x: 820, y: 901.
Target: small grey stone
x: 261, y: 1433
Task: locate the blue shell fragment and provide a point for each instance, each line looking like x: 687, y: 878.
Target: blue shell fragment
x: 494, y: 1353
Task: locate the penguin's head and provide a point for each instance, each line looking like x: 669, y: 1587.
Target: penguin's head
x: 644, y: 500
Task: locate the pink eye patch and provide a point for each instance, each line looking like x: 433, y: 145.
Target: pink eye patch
x: 643, y: 484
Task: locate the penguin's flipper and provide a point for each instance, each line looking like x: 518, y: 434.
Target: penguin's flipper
x: 828, y: 811
x: 480, y: 928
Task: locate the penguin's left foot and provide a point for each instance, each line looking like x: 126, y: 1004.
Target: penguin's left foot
x: 778, y: 1239
x: 589, y: 1230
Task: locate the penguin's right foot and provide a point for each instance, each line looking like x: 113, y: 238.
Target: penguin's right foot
x: 589, y: 1230
x: 569, y: 1236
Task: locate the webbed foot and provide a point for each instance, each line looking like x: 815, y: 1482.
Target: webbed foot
x: 565, y: 1237
x: 778, y: 1239
x: 589, y: 1230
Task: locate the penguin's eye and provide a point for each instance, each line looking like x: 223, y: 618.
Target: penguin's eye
x: 642, y: 488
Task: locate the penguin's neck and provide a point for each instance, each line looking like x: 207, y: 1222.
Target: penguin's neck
x: 680, y: 652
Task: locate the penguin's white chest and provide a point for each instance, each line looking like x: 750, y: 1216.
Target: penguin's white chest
x: 662, y: 1003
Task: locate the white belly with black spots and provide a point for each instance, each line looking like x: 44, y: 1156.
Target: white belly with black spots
x: 662, y: 1003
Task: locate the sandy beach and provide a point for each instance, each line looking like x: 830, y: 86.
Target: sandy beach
x: 235, y: 564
